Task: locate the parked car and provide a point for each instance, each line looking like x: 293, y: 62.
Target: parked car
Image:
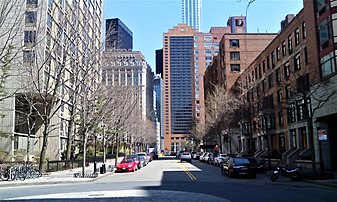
x: 186, y: 156
x: 196, y: 155
x: 208, y: 158
x: 137, y: 159
x: 143, y: 155
x: 219, y: 159
x: 237, y: 166
x: 202, y: 156
x: 127, y: 165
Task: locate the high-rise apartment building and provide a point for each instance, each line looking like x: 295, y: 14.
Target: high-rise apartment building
x: 56, y: 46
x: 191, y: 13
x: 117, y: 35
x: 158, y: 86
x: 178, y: 59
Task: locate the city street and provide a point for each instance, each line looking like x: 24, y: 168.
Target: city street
x: 169, y: 180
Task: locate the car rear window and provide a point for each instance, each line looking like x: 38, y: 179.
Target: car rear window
x: 240, y: 161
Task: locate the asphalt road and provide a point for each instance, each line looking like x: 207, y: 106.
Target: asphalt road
x: 169, y: 180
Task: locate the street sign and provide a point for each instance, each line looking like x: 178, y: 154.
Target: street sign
x: 322, y: 134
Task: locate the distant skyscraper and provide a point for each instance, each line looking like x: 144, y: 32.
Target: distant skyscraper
x: 159, y: 62
x: 191, y: 12
x: 117, y: 35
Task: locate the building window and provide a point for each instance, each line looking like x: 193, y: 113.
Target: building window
x: 30, y: 17
x: 333, y: 3
x: 292, y: 113
x: 207, y: 38
x: 286, y: 70
x: 234, y: 43
x: 270, y: 80
x: 32, y: 3
x: 197, y: 95
x: 304, y: 31
x: 282, y: 143
x: 284, y: 49
x: 195, y: 38
x: 197, y: 108
x: 197, y: 89
x: 288, y: 92
x: 273, y: 59
x: 301, y: 110
x: 208, y: 51
x: 196, y: 45
x: 279, y: 96
x: 196, y: 52
x: 208, y: 58
x: 264, y: 66
x: 28, y: 56
x: 280, y: 119
x: 297, y: 62
x: 196, y: 64
x: 290, y: 44
x: 268, y: 62
x: 208, y: 45
x: 197, y: 76
x: 278, y: 53
x: 197, y: 83
x: 238, y: 22
x: 196, y: 58
x: 297, y: 36
x: 235, y: 55
x: 323, y: 30
x: 278, y: 76
x: 320, y: 6
x: 235, y: 67
x: 197, y: 102
x: 30, y: 37
x: 328, y: 65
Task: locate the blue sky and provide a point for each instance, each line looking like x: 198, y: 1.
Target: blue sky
x: 149, y: 19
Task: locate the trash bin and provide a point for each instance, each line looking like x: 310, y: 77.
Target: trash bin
x: 104, y: 168
x: 101, y: 170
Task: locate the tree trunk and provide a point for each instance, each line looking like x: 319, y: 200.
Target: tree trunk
x: 44, y: 148
x: 84, y: 151
x: 70, y: 137
x: 312, y: 145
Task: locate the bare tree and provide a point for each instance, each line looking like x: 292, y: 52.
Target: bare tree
x: 220, y: 110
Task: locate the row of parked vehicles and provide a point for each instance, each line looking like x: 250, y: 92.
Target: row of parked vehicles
x: 233, y: 165
x: 134, y: 162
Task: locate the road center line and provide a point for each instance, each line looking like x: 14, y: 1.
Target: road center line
x: 188, y: 173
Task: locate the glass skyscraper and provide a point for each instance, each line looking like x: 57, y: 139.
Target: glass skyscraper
x: 191, y: 12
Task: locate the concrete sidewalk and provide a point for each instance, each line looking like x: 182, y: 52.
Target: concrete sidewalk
x: 65, y: 176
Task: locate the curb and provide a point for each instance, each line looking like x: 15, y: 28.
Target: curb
x: 63, y: 181
x: 327, y: 184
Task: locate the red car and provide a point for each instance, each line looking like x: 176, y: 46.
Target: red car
x: 127, y: 165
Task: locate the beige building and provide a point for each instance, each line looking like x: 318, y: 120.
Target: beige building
x: 57, y: 45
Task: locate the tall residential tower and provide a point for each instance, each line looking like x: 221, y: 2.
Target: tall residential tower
x: 191, y: 13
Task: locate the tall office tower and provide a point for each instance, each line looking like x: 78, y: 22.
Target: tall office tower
x: 130, y: 68
x: 191, y: 13
x: 178, y: 57
x: 55, y: 47
x: 117, y: 35
x: 158, y: 86
x: 159, y: 62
